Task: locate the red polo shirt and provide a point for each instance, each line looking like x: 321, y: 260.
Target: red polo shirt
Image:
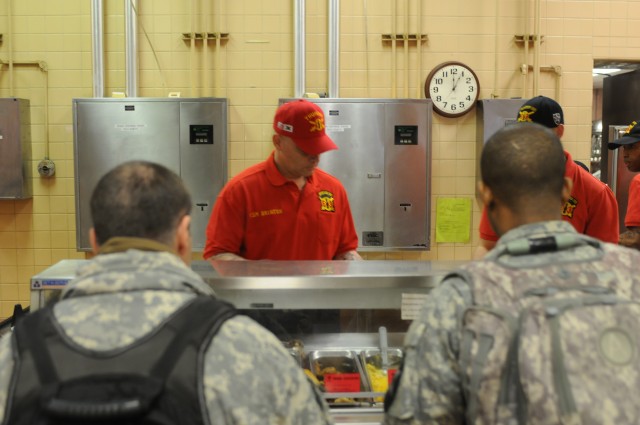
x: 632, y: 218
x: 592, y: 208
x: 260, y: 215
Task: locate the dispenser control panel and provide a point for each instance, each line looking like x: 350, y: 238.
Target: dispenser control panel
x: 406, y: 135
x: 201, y: 134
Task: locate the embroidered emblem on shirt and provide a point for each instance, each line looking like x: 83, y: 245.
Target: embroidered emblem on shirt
x: 326, y: 201
x: 569, y: 207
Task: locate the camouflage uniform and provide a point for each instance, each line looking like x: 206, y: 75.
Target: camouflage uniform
x: 118, y: 298
x: 431, y: 386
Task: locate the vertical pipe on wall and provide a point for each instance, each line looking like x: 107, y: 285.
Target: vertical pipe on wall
x: 192, y: 50
x: 299, y: 36
x: 206, y: 18
x: 218, y: 82
x: 405, y: 44
x: 131, y: 47
x: 496, y: 48
x: 419, y: 50
x: 97, y: 34
x: 334, y: 48
x: 524, y: 68
x: 10, y: 44
x: 394, y: 5
x: 536, y: 49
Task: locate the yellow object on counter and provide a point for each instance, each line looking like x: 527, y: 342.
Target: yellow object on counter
x: 379, y: 380
x: 313, y: 377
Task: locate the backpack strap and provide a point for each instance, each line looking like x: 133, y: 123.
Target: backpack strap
x: 212, y: 312
x: 192, y: 325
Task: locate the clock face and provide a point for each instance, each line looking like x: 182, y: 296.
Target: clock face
x: 453, y: 88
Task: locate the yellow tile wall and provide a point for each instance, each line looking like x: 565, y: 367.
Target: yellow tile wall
x: 255, y: 67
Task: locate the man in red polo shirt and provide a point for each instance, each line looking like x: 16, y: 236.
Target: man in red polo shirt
x: 285, y: 208
x: 631, y: 151
x: 592, y: 208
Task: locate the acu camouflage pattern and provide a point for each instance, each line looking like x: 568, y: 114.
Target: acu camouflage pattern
x: 248, y: 377
x: 552, y: 338
x: 438, y: 361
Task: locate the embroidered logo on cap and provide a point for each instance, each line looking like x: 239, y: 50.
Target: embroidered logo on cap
x: 525, y: 113
x: 316, y: 120
x: 557, y: 119
x: 628, y: 130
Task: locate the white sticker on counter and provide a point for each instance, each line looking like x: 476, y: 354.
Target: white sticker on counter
x: 411, y: 305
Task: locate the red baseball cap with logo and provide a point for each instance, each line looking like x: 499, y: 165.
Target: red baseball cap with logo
x: 303, y: 122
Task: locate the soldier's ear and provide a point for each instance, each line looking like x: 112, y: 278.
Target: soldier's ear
x: 183, y: 243
x: 93, y: 241
x: 486, y: 195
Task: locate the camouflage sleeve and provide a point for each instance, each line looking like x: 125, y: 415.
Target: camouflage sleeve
x: 6, y: 371
x: 429, y: 389
x: 251, y: 379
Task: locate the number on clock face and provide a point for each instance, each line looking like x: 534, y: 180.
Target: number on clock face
x: 453, y: 88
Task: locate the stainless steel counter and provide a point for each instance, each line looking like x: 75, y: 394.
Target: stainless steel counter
x: 307, y: 284
x: 356, y: 296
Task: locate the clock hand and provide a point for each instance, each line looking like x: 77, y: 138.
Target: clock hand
x: 455, y: 84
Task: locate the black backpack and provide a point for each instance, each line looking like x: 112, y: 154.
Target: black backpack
x: 154, y: 381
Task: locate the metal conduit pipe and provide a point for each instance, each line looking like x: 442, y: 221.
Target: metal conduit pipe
x: 218, y: 80
x: 334, y: 48
x: 131, y: 47
x: 393, y: 48
x: 536, y: 51
x: 419, y: 92
x: 405, y: 44
x: 206, y: 20
x: 192, y: 50
x: 524, y: 68
x: 10, y: 45
x: 496, y: 49
x: 97, y: 37
x: 299, y: 35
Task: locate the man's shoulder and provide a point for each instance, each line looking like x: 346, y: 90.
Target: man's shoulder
x: 253, y: 171
x: 324, y: 178
x: 588, y: 182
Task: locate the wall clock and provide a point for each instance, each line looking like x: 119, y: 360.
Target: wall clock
x: 453, y: 88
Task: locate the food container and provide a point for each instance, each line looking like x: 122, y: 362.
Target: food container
x: 337, y: 371
x: 377, y: 380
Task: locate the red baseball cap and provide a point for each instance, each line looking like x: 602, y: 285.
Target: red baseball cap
x: 303, y: 122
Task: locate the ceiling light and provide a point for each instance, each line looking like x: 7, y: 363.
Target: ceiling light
x: 605, y: 71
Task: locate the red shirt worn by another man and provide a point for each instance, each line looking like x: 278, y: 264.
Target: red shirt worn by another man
x: 592, y: 208
x: 260, y: 215
x: 632, y: 217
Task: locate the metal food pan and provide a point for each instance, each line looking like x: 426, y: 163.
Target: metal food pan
x: 336, y: 361
x: 374, y: 357
x: 372, y: 366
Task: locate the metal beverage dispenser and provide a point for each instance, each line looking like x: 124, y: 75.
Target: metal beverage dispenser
x: 15, y: 149
x: 187, y: 135
x: 492, y: 115
x: 383, y: 161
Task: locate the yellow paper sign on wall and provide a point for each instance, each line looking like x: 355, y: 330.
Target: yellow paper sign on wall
x: 453, y: 220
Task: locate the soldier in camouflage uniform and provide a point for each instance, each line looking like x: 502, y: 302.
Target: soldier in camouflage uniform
x: 522, y: 187
x: 140, y: 277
